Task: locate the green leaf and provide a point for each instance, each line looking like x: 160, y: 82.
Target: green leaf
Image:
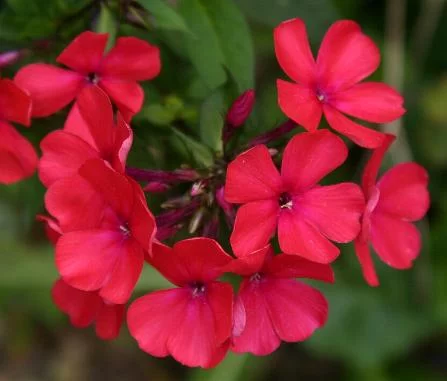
x: 235, y: 40
x: 200, y: 153
x: 211, y: 121
x: 203, y: 46
x: 318, y: 14
x: 107, y: 24
x: 229, y: 369
x: 165, y: 16
x: 221, y: 40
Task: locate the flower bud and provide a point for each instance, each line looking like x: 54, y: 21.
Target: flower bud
x: 156, y: 187
x: 227, y: 208
x: 241, y: 109
x: 8, y: 58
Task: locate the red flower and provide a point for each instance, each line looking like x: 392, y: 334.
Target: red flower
x: 192, y: 323
x: 85, y: 308
x: 18, y: 159
x: 117, y: 72
x: 92, y: 134
x: 399, y: 198
x: 330, y: 85
x: 271, y: 305
x: 307, y: 215
x: 107, y: 229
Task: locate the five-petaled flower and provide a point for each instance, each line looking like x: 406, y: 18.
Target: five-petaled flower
x: 307, y: 215
x: 271, y: 305
x: 18, y: 159
x: 192, y: 322
x: 107, y: 230
x: 116, y: 72
x: 399, y: 198
x: 330, y: 85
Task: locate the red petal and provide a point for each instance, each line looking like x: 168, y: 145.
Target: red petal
x: 123, y: 143
x: 334, y: 210
x: 81, y: 306
x: 293, y: 51
x: 132, y: 59
x: 164, y: 260
x: 75, y: 204
x: 96, y: 109
x: 298, y: 237
x: 62, y: 155
x: 308, y: 157
x: 52, y: 228
x: 254, y: 226
x: 109, y: 320
x: 372, y: 167
x: 259, y: 336
x: 300, y: 104
x: 76, y: 125
x: 220, y: 298
x: 346, y: 56
x: 15, y: 104
x: 18, y: 159
x: 85, y: 52
x: 396, y: 242
x: 372, y: 101
x: 85, y: 259
x: 296, y: 309
x: 403, y: 192
x: 50, y: 87
x: 128, y: 96
x: 251, y: 263
x: 116, y: 190
x: 292, y: 266
x: 364, y: 137
x: 124, y: 276
x: 364, y: 257
x: 153, y: 318
x: 203, y: 258
x: 252, y: 176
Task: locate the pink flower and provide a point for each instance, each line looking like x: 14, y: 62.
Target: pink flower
x: 399, y: 198
x: 116, y: 72
x: 307, y: 215
x: 192, y: 322
x: 107, y: 230
x: 92, y: 134
x: 18, y: 159
x: 85, y: 308
x: 330, y: 85
x: 271, y: 305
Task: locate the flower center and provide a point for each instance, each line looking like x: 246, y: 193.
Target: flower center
x: 124, y: 228
x: 256, y: 277
x: 198, y: 289
x: 321, y: 96
x: 285, y: 201
x: 92, y: 78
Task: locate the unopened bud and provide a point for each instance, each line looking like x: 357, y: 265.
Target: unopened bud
x: 211, y: 228
x: 8, y: 58
x: 273, y: 134
x: 196, y: 220
x: 156, y: 187
x: 225, y: 206
x: 167, y: 232
x: 241, y: 109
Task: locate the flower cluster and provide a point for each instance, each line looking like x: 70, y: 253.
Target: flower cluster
x: 104, y: 232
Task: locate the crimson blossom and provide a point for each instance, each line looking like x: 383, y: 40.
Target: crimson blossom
x: 330, y: 85
x: 116, y: 72
x: 92, y: 133
x: 307, y: 215
x: 18, y: 159
x: 399, y: 198
x: 106, y: 229
x: 192, y: 322
x: 85, y: 308
x: 271, y: 305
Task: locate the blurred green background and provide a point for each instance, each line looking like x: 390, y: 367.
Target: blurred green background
x: 394, y: 332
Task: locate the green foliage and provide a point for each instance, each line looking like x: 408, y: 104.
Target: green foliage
x: 165, y: 16
x: 221, y: 40
x: 211, y: 120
